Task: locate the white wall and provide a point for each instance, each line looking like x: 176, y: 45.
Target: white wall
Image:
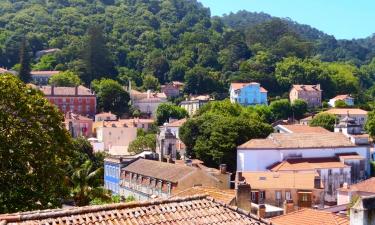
x: 259, y: 160
x: 116, y: 136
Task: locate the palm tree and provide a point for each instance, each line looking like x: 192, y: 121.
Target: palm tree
x: 86, y: 185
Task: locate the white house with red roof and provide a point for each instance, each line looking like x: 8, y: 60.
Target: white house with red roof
x: 248, y: 94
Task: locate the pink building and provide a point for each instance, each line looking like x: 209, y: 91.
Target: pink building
x: 311, y: 94
x: 78, y: 125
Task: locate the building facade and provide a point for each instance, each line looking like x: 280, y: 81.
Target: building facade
x: 194, y: 103
x: 42, y: 77
x: 349, y: 101
x: 78, y: 125
x: 147, y: 179
x: 247, y: 94
x: 147, y: 102
x: 79, y: 100
x: 359, y: 115
x: 311, y: 94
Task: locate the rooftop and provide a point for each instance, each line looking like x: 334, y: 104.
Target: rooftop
x: 298, y: 128
x: 341, y: 97
x: 126, y: 122
x: 74, y: 116
x: 189, y: 210
x: 236, y: 86
x: 364, y: 186
x: 299, y: 141
x: 226, y: 196
x: 304, y: 87
x: 160, y: 170
x: 44, y: 73
x: 310, y: 217
x: 177, y: 123
x: 282, y: 180
x: 66, y: 91
x: 307, y: 164
x: 346, y: 111
x: 105, y: 114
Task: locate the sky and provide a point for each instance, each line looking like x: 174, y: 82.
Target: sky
x: 345, y: 19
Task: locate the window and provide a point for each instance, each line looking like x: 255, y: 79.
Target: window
x: 79, y: 100
x: 330, y: 172
x: 253, y: 196
x: 304, y: 197
x: 278, y: 195
x: 262, y: 195
x: 288, y: 195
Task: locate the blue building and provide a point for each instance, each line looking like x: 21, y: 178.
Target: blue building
x: 248, y: 94
x: 112, y: 171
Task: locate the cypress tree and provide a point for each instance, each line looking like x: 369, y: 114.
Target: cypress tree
x: 24, y: 61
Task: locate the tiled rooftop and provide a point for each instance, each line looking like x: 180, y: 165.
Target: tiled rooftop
x: 280, y: 180
x: 341, y: 97
x: 177, y: 123
x: 237, y: 86
x: 299, y: 141
x: 310, y: 217
x: 44, y: 73
x: 66, y: 91
x: 308, y: 164
x: 304, y: 87
x: 160, y: 170
x: 126, y: 122
x: 298, y: 128
x: 364, y: 186
x: 345, y: 111
x: 226, y: 196
x: 190, y: 210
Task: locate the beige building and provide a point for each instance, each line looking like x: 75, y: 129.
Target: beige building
x: 117, y: 135
x: 194, y: 103
x: 147, y: 102
x: 105, y: 116
x: 359, y: 115
x: 311, y: 94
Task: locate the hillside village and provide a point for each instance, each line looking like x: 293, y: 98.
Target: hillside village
x: 223, y: 143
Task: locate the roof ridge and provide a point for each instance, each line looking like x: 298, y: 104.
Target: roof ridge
x: 54, y: 213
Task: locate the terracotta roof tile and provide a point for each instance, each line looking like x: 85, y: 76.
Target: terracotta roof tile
x: 237, y: 86
x: 364, y: 186
x: 310, y: 217
x: 160, y: 170
x: 299, y: 140
x: 307, y: 164
x: 280, y: 180
x: 304, y: 87
x: 341, y: 97
x: 298, y: 128
x: 177, y: 123
x: 345, y: 111
x: 226, y: 196
x: 126, y: 122
x: 66, y: 91
x: 190, y: 210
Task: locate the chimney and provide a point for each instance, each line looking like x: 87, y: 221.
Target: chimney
x: 318, y: 86
x: 288, y: 206
x: 223, y: 168
x: 76, y: 91
x: 52, y: 90
x: 243, y: 193
x: 363, y: 211
x: 148, y: 93
x: 262, y: 211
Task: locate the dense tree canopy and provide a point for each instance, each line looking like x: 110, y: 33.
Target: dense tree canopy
x: 65, y: 79
x: 324, y: 120
x: 166, y: 111
x: 34, y: 149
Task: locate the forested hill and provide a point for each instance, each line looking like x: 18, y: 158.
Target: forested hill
x: 327, y: 47
x: 151, y: 42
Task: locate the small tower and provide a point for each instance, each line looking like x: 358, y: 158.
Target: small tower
x: 166, y: 145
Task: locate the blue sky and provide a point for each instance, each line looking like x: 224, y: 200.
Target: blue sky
x: 345, y: 19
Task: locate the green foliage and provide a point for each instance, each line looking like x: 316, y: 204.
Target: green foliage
x: 214, y: 134
x: 65, y: 79
x: 111, y: 96
x: 324, y: 120
x: 340, y: 104
x: 150, y: 83
x: 100, y: 201
x: 165, y: 111
x: 370, y: 124
x: 299, y: 108
x: 144, y: 142
x: 46, y: 62
x: 24, y: 57
x: 281, y: 109
x: 35, y: 149
x: 86, y: 185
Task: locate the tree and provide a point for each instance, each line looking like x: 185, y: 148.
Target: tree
x: 96, y: 58
x: 46, y: 62
x: 35, y: 148
x: 65, y: 79
x: 370, y: 124
x: 165, y: 111
x: 299, y: 108
x: 340, y: 104
x: 324, y: 120
x: 146, y: 142
x: 150, y: 83
x: 111, y: 96
x: 24, y: 61
x: 86, y: 185
x: 281, y: 109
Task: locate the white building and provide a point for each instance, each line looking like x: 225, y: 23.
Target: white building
x: 349, y: 101
x: 194, y: 103
x: 259, y: 154
x: 147, y: 102
x: 299, y: 128
x: 359, y: 115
